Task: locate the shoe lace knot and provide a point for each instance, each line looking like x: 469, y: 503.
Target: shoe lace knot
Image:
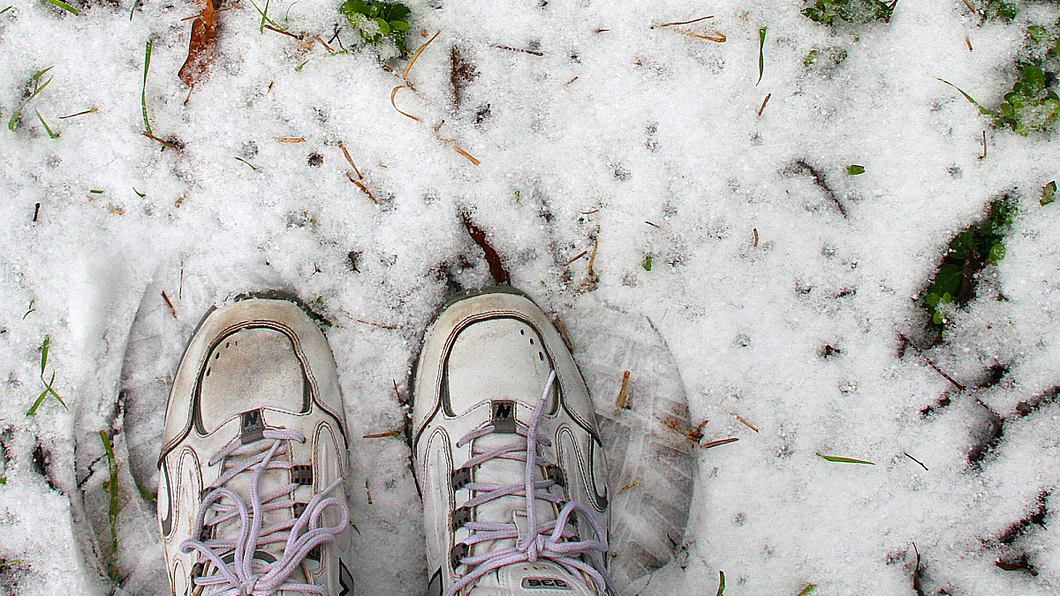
x: 238, y: 567
x: 550, y: 540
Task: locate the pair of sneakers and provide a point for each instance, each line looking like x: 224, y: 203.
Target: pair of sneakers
x: 506, y: 454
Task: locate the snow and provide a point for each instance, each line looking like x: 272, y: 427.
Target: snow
x: 754, y: 269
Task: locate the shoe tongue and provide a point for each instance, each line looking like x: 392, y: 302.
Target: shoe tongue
x: 531, y: 579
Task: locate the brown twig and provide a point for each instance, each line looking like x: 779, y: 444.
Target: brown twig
x: 748, y: 424
x: 350, y: 159
x: 368, y: 490
x: 916, y: 460
x: 361, y: 186
x: 580, y: 255
x: 592, y: 258
x: 818, y: 179
x: 627, y: 487
x: 719, y: 442
x: 764, y: 102
x: 169, y: 303
x: 754, y: 234
x: 531, y: 52
x: 497, y: 271
x: 622, y: 401
x: 389, y: 433
x: 164, y: 142
x: 88, y: 111
x: 563, y: 332
x: 291, y: 139
x: 287, y: 33
x: 968, y: 40
x: 397, y: 392
x: 934, y: 366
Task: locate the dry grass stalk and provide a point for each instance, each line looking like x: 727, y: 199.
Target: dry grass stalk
x: 350, y: 159
x: 362, y: 321
x: 164, y: 142
x: 291, y: 139
x: 117, y: 211
x: 389, y: 433
x: 393, y: 93
x: 416, y: 54
x: 469, y: 157
x: 968, y: 40
x: 749, y: 425
x: 764, y: 102
x: 179, y: 200
x: 719, y: 442
x: 572, y: 80
x: 287, y: 33
x: 563, y: 332
x: 580, y: 255
x: 88, y: 111
x: 684, y: 22
x: 169, y: 303
x: 592, y: 259
x: 397, y: 392
x: 368, y: 490
x: 627, y: 487
x: 718, y: 37
x: 363, y: 188
x: 622, y: 401
x: 754, y: 234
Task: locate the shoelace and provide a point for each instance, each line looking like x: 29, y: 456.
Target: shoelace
x: 542, y: 540
x: 247, y: 576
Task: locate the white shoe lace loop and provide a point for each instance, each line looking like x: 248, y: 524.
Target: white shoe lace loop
x: 247, y: 576
x: 549, y: 540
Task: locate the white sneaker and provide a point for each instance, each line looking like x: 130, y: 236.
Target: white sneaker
x: 251, y: 497
x: 500, y: 410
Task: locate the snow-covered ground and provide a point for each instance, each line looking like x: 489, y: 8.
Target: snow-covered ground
x: 778, y: 308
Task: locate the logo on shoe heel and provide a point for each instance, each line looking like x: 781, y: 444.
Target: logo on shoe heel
x: 544, y: 583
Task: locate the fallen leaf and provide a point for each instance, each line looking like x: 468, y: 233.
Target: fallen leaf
x: 201, y: 47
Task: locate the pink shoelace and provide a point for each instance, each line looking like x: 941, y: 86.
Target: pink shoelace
x: 547, y: 540
x: 246, y: 575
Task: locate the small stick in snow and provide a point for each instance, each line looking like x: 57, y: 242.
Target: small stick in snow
x: 362, y: 321
x: 968, y: 40
x: 580, y: 255
x: 754, y: 233
x: 169, y: 303
x: 531, y: 52
x: 36, y: 211
x: 654, y: 225
x: 916, y: 573
x: 622, y: 402
x: 572, y: 80
x: 180, y: 287
x: 88, y: 111
x: 748, y: 424
x: 719, y: 442
x: 592, y: 258
x: 291, y: 139
x: 389, y: 433
x: 916, y: 460
x: 164, y: 142
x: 970, y: 7
x: 684, y: 22
x: 363, y: 188
x: 984, y: 145
x: 400, y: 398
x: 818, y: 179
x: 627, y: 487
x: 764, y: 102
x: 368, y: 490
x: 932, y: 364
x: 563, y: 332
x: 350, y: 159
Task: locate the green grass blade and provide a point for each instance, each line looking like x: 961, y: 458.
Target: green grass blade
x: 12, y: 123
x: 845, y: 460
x: 46, y: 127
x: 112, y: 488
x: 982, y: 110
x: 6, y: 9
x: 143, y: 90
x: 136, y: 4
x: 721, y: 583
x: 248, y: 163
x: 65, y: 6
x: 807, y: 590
x: 761, y: 53
x: 48, y: 388
x: 36, y: 404
x: 44, y: 354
